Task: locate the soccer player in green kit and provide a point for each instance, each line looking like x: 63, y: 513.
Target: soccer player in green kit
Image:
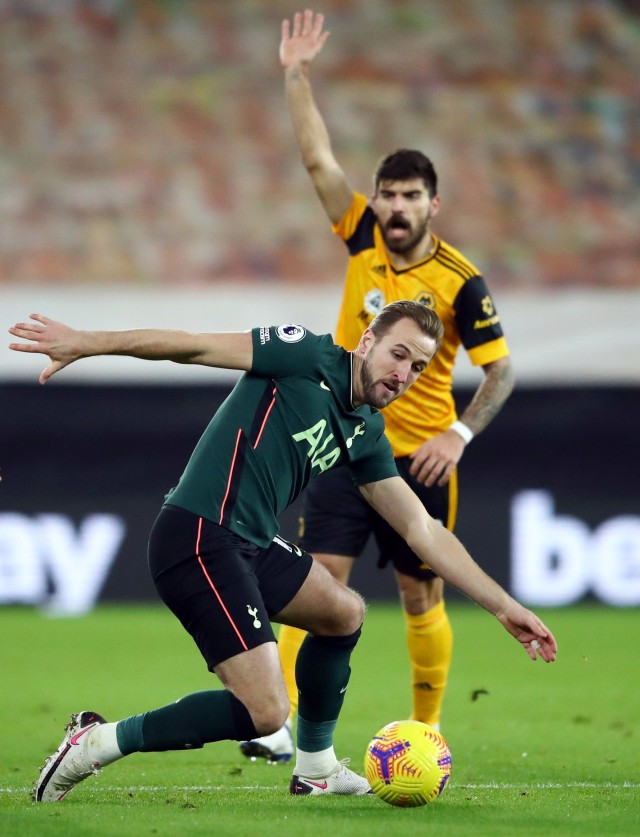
x: 302, y: 406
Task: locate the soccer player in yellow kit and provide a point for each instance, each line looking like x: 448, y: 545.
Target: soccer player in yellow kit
x: 393, y: 255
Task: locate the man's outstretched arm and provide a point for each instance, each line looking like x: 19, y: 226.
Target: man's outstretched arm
x: 442, y: 551
x: 300, y: 44
x: 64, y: 345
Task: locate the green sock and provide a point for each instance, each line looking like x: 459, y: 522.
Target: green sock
x: 187, y: 724
x: 322, y: 674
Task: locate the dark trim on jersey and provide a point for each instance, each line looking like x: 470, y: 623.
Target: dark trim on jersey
x: 399, y: 271
x: 233, y: 480
x: 261, y: 415
x: 214, y: 589
x: 452, y: 501
x: 363, y: 237
x: 475, y: 327
x: 265, y: 405
x: 448, y: 260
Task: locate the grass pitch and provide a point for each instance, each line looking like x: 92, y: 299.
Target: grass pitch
x: 537, y: 749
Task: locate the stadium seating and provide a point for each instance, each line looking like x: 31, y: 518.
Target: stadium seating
x: 147, y: 144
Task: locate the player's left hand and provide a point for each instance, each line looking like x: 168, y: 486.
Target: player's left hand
x: 436, y: 459
x: 531, y: 632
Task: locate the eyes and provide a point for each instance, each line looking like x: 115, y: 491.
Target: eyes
x: 417, y: 367
x: 413, y: 195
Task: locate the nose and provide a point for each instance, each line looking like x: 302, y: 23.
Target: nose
x: 402, y: 372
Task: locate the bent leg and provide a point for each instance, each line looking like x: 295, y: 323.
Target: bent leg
x: 278, y: 747
x: 254, y: 701
x: 333, y: 615
x: 254, y: 686
x: 290, y: 638
x: 323, y: 606
x: 334, y: 526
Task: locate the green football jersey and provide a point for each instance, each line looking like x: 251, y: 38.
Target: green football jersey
x: 286, y: 421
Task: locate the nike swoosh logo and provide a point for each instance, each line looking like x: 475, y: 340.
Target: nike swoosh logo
x: 82, y: 732
x: 321, y: 785
x: 323, y: 385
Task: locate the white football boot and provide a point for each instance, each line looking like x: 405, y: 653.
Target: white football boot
x: 341, y: 781
x: 276, y: 748
x: 70, y: 763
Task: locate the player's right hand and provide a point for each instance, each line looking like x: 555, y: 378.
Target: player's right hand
x: 48, y: 337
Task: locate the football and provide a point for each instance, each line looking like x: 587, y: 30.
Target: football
x: 407, y: 763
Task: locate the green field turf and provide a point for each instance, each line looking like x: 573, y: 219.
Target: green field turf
x: 541, y: 750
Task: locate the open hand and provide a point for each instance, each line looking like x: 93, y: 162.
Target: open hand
x: 303, y: 42
x: 61, y: 343
x: 530, y: 631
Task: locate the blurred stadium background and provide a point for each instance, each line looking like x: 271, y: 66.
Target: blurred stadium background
x: 149, y: 177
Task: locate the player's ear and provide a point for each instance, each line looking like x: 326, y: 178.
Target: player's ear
x: 435, y: 206
x: 366, y: 341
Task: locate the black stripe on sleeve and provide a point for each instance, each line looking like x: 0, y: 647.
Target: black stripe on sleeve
x: 476, y: 317
x: 362, y: 238
x: 464, y: 270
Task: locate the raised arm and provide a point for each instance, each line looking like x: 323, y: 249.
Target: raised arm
x: 300, y: 44
x: 64, y: 345
x: 442, y: 551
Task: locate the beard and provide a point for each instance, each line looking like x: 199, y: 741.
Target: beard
x: 369, y: 395
x: 413, y: 239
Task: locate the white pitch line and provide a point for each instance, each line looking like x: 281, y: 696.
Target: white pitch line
x: 489, y: 786
x: 547, y: 785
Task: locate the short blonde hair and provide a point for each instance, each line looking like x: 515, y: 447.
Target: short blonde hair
x: 425, y: 318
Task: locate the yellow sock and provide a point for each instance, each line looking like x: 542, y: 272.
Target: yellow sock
x: 289, y: 642
x: 430, y: 644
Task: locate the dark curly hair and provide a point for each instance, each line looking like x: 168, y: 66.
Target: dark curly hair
x: 407, y: 164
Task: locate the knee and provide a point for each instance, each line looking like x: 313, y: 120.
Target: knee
x: 269, y: 715
x: 419, y: 596
x: 344, y: 618
x: 353, y: 615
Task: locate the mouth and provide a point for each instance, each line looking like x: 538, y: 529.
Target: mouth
x: 391, y: 388
x: 397, y: 227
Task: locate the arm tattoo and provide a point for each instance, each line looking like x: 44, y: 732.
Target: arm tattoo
x: 490, y: 396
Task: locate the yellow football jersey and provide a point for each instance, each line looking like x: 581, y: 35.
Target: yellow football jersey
x: 446, y: 282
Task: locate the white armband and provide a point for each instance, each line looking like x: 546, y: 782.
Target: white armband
x: 462, y: 430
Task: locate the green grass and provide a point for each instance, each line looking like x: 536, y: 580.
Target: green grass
x: 543, y: 750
